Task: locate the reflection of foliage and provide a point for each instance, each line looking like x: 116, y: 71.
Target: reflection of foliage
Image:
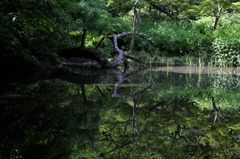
x: 172, y: 122
x: 176, y: 119
x: 42, y: 121
x: 176, y: 127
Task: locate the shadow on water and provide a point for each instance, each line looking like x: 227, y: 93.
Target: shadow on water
x: 148, y: 113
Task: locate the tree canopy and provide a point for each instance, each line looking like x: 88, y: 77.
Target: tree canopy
x: 35, y: 31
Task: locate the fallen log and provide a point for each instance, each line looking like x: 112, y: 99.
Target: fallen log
x: 84, y: 52
x: 95, y: 55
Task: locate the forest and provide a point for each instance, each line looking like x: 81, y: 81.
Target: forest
x: 78, y: 79
x: 43, y: 33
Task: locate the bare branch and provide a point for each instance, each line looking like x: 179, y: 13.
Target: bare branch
x: 121, y: 55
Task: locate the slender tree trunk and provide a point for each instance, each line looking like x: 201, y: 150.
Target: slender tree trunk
x: 134, y: 26
x: 84, y: 35
x: 214, y: 25
x: 217, y: 17
x: 139, y: 16
x: 99, y: 43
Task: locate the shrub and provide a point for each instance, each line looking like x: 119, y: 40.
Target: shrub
x: 226, y: 51
x: 176, y: 39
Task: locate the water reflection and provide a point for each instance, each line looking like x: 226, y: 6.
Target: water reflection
x: 200, y: 70
x: 120, y: 114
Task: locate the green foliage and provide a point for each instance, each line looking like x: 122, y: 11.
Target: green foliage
x: 226, y: 41
x: 211, y: 7
x: 32, y: 30
x: 226, y: 52
x: 175, y: 9
x: 119, y: 7
x: 236, y: 6
x: 92, y: 16
x: 35, y: 30
x: 173, y: 38
x: 106, y: 48
x: 203, y: 25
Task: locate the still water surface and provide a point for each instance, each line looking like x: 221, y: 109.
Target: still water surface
x: 168, y: 112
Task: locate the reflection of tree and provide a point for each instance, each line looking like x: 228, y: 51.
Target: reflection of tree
x: 122, y: 76
x: 214, y: 110
x: 173, y: 127
x: 169, y: 127
x: 100, y: 75
x: 49, y: 119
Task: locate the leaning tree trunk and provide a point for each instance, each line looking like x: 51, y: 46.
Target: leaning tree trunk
x: 95, y: 55
x: 217, y: 17
x: 121, y: 54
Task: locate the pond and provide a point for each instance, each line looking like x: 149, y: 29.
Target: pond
x: 165, y: 112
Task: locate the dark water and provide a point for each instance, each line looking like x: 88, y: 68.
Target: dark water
x: 166, y: 113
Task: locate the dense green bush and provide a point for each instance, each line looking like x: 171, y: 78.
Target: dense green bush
x: 226, y: 51
x: 225, y: 45
x: 174, y: 38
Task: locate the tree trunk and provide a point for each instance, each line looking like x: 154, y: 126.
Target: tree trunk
x: 121, y: 55
x: 217, y: 17
x: 84, y: 35
x: 214, y: 25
